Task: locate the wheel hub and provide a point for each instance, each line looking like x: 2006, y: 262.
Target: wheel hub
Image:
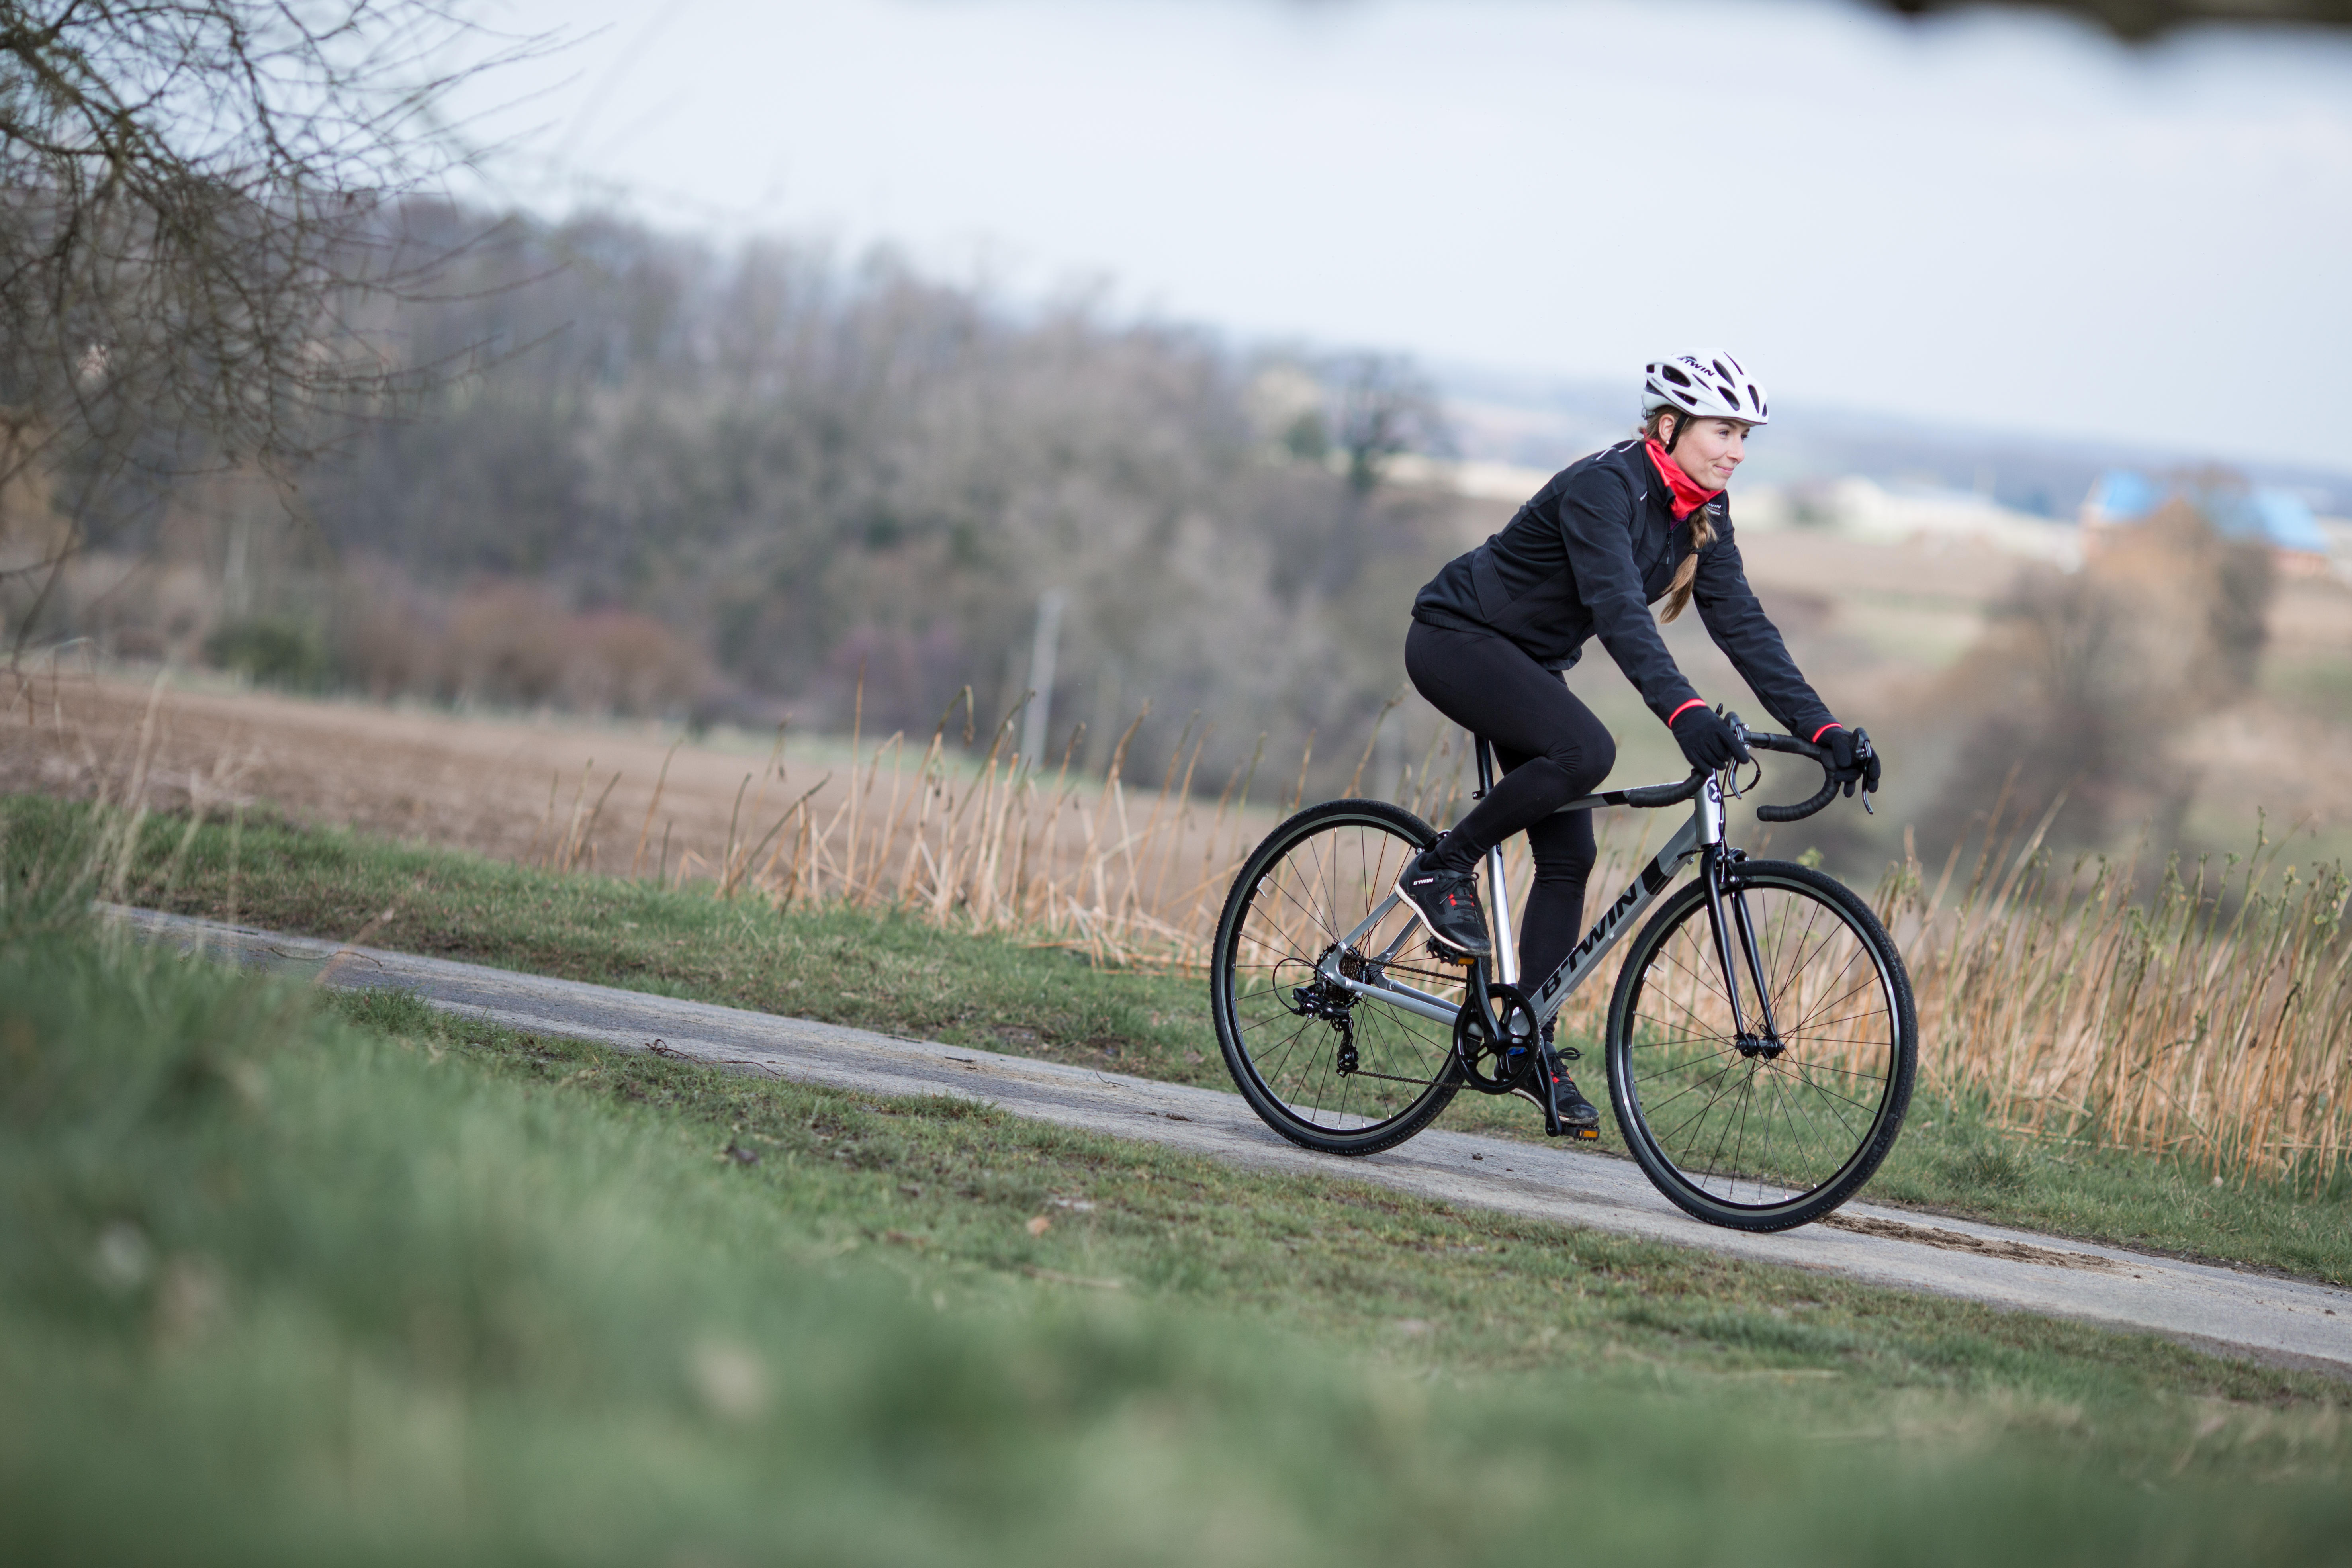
x: 1768, y: 1047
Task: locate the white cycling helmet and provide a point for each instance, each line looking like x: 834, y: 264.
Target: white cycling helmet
x: 1711, y: 385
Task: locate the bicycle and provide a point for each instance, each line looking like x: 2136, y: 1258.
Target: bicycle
x: 1760, y: 1044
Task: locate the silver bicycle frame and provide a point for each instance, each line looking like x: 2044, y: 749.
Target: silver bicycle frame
x: 1704, y: 828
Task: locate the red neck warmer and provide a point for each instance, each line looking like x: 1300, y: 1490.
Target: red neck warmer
x: 1689, y: 497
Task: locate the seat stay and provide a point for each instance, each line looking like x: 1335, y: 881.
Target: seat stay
x: 1395, y: 991
x: 1370, y: 923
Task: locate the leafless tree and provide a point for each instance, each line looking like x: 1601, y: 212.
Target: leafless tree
x: 187, y: 195
x: 1386, y: 408
x: 2084, y: 683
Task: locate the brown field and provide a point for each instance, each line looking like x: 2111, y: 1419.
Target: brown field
x: 2210, y: 1016
x: 920, y: 822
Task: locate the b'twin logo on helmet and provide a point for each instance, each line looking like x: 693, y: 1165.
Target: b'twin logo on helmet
x: 1716, y: 379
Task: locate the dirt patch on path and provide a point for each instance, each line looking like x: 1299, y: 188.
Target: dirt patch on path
x: 1960, y: 1241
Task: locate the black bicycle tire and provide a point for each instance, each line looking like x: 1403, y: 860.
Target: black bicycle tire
x: 1879, y: 1140
x: 1269, y: 1105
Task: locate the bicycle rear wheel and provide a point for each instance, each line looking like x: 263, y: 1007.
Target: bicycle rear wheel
x: 1770, y: 1129
x: 1333, y: 1071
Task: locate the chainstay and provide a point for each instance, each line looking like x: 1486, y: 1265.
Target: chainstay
x: 1391, y: 1078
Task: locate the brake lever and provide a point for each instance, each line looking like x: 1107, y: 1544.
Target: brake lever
x: 1863, y: 751
x: 1739, y: 734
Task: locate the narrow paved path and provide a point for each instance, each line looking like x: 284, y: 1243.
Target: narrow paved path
x: 2281, y: 1322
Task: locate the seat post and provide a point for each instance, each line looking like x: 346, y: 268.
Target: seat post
x: 1507, y: 947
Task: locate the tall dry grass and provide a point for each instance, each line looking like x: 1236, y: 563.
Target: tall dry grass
x: 2209, y: 1016
x: 1129, y: 872
x: 2207, y: 1013
x: 101, y: 865
x: 1128, y: 875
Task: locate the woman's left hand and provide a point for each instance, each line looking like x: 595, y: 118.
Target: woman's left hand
x: 1853, y: 759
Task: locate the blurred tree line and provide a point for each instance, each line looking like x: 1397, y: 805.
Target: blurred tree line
x: 2070, y: 711
x: 645, y: 473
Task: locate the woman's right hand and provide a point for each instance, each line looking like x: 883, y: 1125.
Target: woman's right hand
x: 1706, y: 740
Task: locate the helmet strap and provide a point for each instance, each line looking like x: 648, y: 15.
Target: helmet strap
x: 1681, y: 423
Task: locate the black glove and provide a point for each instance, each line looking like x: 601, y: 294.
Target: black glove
x: 1706, y: 740
x: 1852, y: 760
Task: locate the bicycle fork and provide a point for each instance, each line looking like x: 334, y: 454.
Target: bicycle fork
x: 1735, y: 934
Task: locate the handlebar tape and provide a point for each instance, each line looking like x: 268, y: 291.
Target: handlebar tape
x: 1761, y: 740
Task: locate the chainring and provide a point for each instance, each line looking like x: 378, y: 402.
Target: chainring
x: 1491, y: 1066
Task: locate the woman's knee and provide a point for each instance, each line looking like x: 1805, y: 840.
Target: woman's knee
x: 1545, y: 783
x: 1564, y: 847
x: 1583, y: 758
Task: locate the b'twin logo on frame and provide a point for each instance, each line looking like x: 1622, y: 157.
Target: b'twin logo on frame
x: 1598, y: 937
x: 1654, y: 879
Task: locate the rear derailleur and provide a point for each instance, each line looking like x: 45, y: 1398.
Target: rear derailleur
x: 1334, y: 1004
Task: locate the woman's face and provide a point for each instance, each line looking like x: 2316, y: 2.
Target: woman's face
x: 1710, y: 450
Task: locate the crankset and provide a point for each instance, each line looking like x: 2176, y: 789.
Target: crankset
x: 1497, y: 1064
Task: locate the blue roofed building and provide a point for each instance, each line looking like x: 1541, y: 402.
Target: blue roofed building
x: 2280, y: 519
x: 2123, y: 495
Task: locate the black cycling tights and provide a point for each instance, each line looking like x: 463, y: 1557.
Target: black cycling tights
x: 1551, y: 748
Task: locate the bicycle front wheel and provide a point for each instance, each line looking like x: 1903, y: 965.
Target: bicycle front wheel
x: 1326, y: 1068
x: 1770, y: 1128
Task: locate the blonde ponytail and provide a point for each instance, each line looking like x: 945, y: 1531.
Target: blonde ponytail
x: 1702, y: 524
x: 1678, y: 592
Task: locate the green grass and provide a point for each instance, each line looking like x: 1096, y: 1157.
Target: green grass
x: 290, y: 1276
x: 900, y: 975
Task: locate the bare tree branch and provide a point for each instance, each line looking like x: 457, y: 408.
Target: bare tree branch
x: 194, y: 197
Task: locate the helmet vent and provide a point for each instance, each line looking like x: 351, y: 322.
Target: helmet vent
x: 1706, y: 383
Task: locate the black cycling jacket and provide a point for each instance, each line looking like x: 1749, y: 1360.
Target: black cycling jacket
x: 1587, y: 557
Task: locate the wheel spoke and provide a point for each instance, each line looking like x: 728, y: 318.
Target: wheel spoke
x: 1771, y: 1127
x: 1282, y: 1023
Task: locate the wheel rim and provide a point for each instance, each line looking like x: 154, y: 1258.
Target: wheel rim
x: 1307, y: 896
x: 1743, y: 1126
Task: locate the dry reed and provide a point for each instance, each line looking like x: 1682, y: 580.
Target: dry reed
x: 1011, y: 844
x: 2212, y: 1017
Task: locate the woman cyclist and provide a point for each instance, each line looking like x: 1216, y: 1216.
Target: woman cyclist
x: 1610, y: 535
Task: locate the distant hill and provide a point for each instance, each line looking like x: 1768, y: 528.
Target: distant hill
x: 1501, y: 417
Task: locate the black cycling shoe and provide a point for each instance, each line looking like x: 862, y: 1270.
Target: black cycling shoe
x: 1570, y: 1115
x: 1567, y: 1113
x: 1447, y: 902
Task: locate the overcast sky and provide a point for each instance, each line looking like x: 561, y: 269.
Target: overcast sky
x: 2001, y: 220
